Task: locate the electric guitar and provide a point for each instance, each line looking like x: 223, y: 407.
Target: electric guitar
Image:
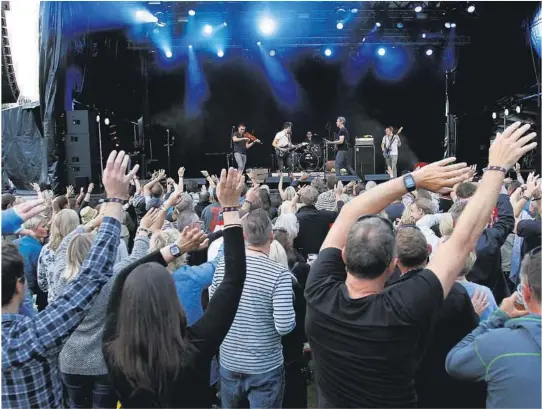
x: 387, y: 149
x: 286, y: 151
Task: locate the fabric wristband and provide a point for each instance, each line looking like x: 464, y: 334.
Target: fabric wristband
x: 525, y: 197
x: 115, y: 200
x: 230, y: 209
x: 497, y: 168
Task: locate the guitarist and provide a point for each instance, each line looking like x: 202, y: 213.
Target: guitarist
x: 283, y: 144
x: 343, y: 145
x: 390, y: 148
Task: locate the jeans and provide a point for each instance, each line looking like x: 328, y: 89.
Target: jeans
x: 285, y: 163
x: 90, y: 391
x: 241, y: 160
x: 262, y: 390
x: 341, y: 162
x: 391, y: 162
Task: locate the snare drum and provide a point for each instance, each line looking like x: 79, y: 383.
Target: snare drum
x: 309, y: 162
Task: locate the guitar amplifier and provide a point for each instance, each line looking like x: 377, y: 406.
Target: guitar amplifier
x: 364, y: 159
x: 366, y: 140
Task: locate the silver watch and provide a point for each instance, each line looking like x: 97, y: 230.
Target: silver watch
x: 175, y: 250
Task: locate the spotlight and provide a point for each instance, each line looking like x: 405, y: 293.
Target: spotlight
x: 145, y: 16
x: 225, y: 24
x: 447, y: 24
x: 340, y: 25
x: 259, y: 43
x: 400, y: 24
x: 429, y: 51
x: 471, y: 8
x: 453, y: 25
x: 363, y: 39
x: 220, y: 53
x: 327, y: 52
x: 267, y: 26
x: 518, y: 109
x: 378, y: 24
x: 418, y: 9
x: 424, y: 35
x: 354, y: 11
x: 381, y: 51
x: 272, y: 53
x: 97, y: 118
x: 140, y: 14
x: 208, y: 30
x: 494, y: 115
x: 191, y: 12
x: 506, y: 112
x: 160, y: 19
x: 169, y: 54
x: 190, y: 46
x: 106, y: 121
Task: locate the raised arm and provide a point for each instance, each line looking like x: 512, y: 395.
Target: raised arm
x: 505, y: 151
x: 148, y: 186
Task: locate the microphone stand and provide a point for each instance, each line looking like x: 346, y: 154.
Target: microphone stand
x: 228, y: 155
x: 168, y: 145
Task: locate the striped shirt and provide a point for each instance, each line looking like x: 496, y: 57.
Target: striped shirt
x: 265, y: 313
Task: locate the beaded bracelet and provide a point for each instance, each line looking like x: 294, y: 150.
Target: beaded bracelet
x: 497, y: 168
x: 230, y: 209
x: 115, y: 200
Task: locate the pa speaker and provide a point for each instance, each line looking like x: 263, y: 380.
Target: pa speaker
x: 364, y: 159
x: 10, y: 89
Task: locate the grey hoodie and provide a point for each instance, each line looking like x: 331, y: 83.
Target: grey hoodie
x: 506, y: 354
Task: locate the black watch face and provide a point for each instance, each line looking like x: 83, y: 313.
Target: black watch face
x: 174, y: 249
x: 409, y: 182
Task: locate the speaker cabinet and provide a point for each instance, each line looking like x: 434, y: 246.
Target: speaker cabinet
x: 364, y: 159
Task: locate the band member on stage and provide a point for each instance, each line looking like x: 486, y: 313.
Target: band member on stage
x: 282, y: 144
x: 310, y: 139
x: 390, y: 148
x: 241, y: 145
x: 343, y: 144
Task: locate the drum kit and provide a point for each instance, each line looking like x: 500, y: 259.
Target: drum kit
x: 309, y: 158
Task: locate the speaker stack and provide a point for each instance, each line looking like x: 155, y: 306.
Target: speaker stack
x: 364, y: 156
x: 10, y: 89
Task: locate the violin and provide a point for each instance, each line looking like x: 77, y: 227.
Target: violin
x: 251, y: 137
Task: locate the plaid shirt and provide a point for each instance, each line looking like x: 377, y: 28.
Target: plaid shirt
x: 30, y: 346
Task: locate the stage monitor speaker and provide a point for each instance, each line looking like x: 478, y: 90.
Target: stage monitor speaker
x: 82, y: 149
x: 378, y: 178
x: 364, y: 160
x: 10, y: 89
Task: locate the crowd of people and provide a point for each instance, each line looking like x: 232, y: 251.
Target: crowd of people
x: 421, y: 291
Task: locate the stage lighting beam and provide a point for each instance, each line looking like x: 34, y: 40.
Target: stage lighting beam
x: 267, y: 26
x: 220, y: 53
x: 327, y: 52
x: 207, y: 30
x: 272, y: 53
x: 340, y: 25
x: 169, y: 54
x: 378, y: 24
x: 381, y: 51
x: 259, y: 43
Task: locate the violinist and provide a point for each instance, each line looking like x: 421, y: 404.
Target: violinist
x: 242, y: 142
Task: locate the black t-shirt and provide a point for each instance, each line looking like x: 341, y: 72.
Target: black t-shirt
x: 530, y: 231
x: 241, y: 146
x: 343, y: 146
x: 366, y: 350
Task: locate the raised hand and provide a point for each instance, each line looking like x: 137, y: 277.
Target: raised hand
x: 230, y: 187
x: 511, y: 145
x: 532, y: 184
x: 205, y: 173
x: 82, y: 191
x: 36, y: 187
x: 479, y: 301
x: 90, y: 188
x: 27, y: 210
x: 253, y: 194
x: 192, y: 240
x: 115, y: 179
x: 150, y: 217
x: 441, y: 176
x: 180, y: 172
x: 69, y: 191
x: 339, y: 189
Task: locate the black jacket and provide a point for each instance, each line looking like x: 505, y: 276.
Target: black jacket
x: 314, y: 226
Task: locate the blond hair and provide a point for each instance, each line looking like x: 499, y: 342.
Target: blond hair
x: 78, y: 250
x: 62, y: 224
x: 34, y: 222
x: 166, y: 238
x: 406, y: 217
x: 446, y: 224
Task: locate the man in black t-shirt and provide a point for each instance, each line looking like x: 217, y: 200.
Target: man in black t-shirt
x: 343, y: 144
x: 366, y: 339
x: 241, y: 145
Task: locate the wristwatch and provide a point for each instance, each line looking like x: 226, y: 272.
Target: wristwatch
x: 175, y: 250
x: 409, y: 182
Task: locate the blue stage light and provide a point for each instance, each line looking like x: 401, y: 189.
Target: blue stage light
x: 424, y: 35
x: 220, y: 53
x: 340, y: 25
x: 272, y: 53
x: 169, y: 54
x: 327, y: 52
x: 267, y: 26
x: 400, y: 25
x: 378, y: 24
x: 145, y: 16
x: 453, y: 25
x: 381, y: 51
x: 191, y: 12
x: 190, y: 46
x: 207, y: 30
x: 354, y: 10
x: 429, y: 51
x: 259, y: 43
x: 448, y: 24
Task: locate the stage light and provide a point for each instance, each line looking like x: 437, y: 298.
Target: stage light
x: 160, y: 19
x: 145, y: 16
x: 518, y: 109
x: 327, y: 52
x: 97, y: 118
x: 447, y: 24
x: 381, y: 51
x: 207, y: 30
x: 471, y: 8
x: 267, y: 26
x: 418, y: 9
x: 191, y: 12
x: 354, y: 11
x: 225, y: 24
x: 259, y: 43
x: 190, y: 46
x: 363, y: 39
x: 400, y: 24
x: 340, y: 25
x: 453, y: 25
x: 272, y: 53
x: 506, y: 112
x: 169, y: 54
x: 378, y: 24
x: 220, y: 53
x: 106, y: 121
x: 424, y: 35
x: 494, y: 115
x: 429, y: 51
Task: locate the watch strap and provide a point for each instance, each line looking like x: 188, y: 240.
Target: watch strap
x: 409, y: 182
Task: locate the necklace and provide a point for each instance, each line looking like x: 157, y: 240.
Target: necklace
x: 258, y: 251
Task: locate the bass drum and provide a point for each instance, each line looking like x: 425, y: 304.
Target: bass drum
x: 309, y: 162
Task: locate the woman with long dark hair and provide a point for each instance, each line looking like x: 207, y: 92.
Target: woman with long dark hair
x: 153, y: 358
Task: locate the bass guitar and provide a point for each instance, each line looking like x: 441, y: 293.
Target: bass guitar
x: 387, y: 149
x: 286, y: 151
